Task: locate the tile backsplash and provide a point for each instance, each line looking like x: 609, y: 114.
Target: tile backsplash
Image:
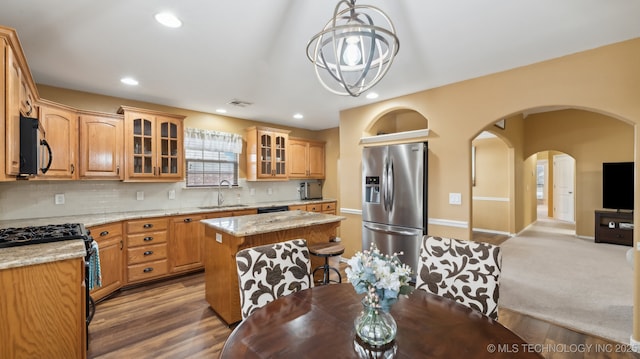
x: 37, y: 199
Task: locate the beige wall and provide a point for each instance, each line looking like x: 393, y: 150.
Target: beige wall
x: 491, y: 190
x: 603, y: 80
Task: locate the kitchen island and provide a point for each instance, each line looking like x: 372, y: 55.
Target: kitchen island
x: 224, y: 237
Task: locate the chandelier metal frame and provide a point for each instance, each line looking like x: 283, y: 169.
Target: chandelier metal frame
x: 352, y: 54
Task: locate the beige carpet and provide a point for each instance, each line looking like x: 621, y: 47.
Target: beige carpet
x: 549, y: 273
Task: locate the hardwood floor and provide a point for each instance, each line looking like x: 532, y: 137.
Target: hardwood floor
x: 171, y: 319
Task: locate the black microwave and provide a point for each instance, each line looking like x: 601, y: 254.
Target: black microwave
x: 32, y: 147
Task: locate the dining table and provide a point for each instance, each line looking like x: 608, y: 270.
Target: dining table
x: 319, y: 323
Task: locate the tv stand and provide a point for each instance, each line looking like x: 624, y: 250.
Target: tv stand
x: 609, y: 229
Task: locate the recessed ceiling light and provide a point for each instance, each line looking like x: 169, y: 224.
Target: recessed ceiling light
x: 129, y: 81
x: 168, y: 19
x: 372, y: 95
x: 221, y: 110
x: 298, y: 116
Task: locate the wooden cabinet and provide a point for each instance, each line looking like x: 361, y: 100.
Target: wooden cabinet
x: 43, y: 310
x: 153, y: 145
x: 60, y: 124
x: 146, y: 249
x: 329, y: 208
x: 17, y: 97
x: 267, y: 153
x: 298, y: 207
x: 186, y: 243
x: 306, y: 159
x: 614, y: 227
x: 101, y: 146
x: 111, y: 247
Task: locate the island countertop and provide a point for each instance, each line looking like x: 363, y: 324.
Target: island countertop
x: 248, y: 225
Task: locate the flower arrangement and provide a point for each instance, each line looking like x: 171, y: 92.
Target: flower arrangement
x: 382, y: 277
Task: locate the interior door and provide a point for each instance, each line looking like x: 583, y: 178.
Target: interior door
x: 563, y: 188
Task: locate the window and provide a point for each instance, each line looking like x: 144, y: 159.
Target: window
x: 212, y: 157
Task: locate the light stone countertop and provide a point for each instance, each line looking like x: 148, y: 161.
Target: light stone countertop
x: 90, y: 220
x: 269, y: 222
x: 27, y: 255
x: 19, y: 256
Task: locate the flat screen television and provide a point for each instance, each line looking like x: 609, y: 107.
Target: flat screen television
x: 617, y: 185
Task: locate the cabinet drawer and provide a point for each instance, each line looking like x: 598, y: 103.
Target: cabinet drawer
x: 328, y: 207
x: 314, y: 207
x: 301, y: 207
x: 148, y: 270
x: 147, y: 253
x: 107, y: 231
x: 146, y: 225
x: 145, y: 239
x: 615, y: 235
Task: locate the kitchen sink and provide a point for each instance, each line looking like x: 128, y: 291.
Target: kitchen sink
x: 225, y: 206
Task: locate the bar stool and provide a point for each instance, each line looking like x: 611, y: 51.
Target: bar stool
x: 326, y: 250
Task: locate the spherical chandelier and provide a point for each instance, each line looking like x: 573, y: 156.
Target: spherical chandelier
x: 352, y: 54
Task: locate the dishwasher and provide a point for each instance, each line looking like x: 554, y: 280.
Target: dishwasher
x: 273, y: 209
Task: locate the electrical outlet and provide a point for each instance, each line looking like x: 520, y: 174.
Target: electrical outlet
x: 140, y: 195
x: 172, y: 194
x: 455, y: 198
x: 269, y: 191
x: 252, y: 192
x: 59, y: 198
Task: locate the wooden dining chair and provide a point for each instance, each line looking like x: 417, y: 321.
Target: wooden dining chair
x: 465, y: 271
x: 267, y: 272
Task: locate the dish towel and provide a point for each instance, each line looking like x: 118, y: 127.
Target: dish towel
x: 95, y: 276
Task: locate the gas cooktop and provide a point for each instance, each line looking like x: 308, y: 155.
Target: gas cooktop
x: 11, y: 237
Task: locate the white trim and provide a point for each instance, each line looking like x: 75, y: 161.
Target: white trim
x: 351, y: 211
x: 405, y: 135
x: 449, y: 223
x: 491, y: 231
x: 494, y: 199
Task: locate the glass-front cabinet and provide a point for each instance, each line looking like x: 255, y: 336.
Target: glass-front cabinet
x: 267, y: 153
x: 153, y: 145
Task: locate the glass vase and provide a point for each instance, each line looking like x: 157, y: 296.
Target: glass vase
x: 375, y: 326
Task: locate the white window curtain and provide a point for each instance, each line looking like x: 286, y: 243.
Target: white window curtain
x: 198, y: 143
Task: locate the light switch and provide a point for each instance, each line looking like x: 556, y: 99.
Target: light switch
x: 455, y: 198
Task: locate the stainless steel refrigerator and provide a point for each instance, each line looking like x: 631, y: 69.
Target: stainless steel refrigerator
x: 394, y: 192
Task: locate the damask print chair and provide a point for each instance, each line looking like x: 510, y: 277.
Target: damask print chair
x: 465, y: 271
x: 268, y: 272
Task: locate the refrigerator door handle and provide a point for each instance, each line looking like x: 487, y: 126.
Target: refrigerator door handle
x: 388, y: 231
x: 385, y: 193
x: 390, y: 180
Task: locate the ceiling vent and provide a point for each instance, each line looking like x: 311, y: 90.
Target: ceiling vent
x: 240, y: 103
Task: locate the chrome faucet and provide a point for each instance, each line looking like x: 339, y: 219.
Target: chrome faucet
x: 220, y: 196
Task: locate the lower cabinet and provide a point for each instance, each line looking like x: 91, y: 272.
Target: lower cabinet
x: 111, y: 249
x: 186, y: 243
x: 146, y: 249
x: 42, y: 307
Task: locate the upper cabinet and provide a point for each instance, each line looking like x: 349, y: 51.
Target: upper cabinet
x: 153, y: 145
x: 101, y: 146
x: 306, y: 159
x: 60, y: 125
x: 267, y: 153
x: 18, y: 97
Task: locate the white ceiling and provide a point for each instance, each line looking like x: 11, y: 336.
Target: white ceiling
x: 254, y: 50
